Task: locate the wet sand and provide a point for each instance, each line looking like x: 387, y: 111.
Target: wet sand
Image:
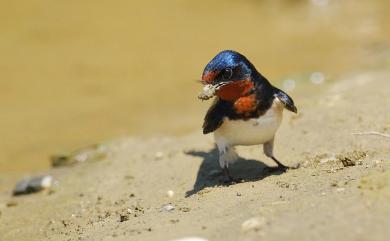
x: 121, y: 196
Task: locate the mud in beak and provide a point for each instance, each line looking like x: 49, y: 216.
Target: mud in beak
x: 209, y: 90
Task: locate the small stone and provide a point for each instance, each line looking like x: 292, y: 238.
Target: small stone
x: 124, y: 217
x: 159, y: 155
x: 167, y: 208
x: 253, y: 224
x: 352, y: 158
x: 185, y: 209
x: 34, y: 184
x: 92, y: 153
x: 347, y: 162
x: 170, y: 193
x: 139, y: 208
x: 238, y: 194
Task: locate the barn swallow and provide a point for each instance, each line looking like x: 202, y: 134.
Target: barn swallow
x: 247, y: 109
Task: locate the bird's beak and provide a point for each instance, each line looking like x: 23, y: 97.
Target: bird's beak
x: 209, y: 90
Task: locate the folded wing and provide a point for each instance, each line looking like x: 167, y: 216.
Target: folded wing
x: 286, y: 100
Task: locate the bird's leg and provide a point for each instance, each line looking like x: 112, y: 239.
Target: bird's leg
x: 227, y: 155
x: 226, y: 172
x: 268, y: 148
x: 280, y: 165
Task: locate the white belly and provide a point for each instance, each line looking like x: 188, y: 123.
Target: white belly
x: 252, y: 131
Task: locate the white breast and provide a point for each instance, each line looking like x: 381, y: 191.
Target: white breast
x: 252, y: 131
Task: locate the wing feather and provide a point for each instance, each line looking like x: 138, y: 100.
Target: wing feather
x: 214, y: 116
x: 286, y: 100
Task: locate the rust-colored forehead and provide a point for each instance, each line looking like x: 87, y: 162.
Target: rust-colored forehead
x: 209, y: 76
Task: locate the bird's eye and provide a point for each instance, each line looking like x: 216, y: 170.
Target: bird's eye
x: 227, y: 74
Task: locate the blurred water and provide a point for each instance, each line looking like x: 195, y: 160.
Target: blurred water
x: 78, y: 72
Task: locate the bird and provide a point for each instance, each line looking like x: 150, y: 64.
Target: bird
x: 247, y: 110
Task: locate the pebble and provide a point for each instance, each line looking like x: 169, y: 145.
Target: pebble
x: 124, y: 217
x: 253, y: 224
x: 190, y: 239
x: 185, y: 209
x: 167, y: 208
x: 34, y: 184
x: 159, y: 155
x: 92, y: 153
x: 170, y: 193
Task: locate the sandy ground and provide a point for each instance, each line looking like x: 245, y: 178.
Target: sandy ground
x: 65, y: 65
x: 121, y: 196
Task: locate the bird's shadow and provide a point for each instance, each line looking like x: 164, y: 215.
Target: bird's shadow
x: 210, y: 173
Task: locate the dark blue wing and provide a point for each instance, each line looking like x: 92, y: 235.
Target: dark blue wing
x: 214, y: 116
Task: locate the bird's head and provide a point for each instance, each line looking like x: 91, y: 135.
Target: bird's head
x: 229, y: 75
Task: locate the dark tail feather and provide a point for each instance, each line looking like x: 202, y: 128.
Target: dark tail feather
x: 286, y: 100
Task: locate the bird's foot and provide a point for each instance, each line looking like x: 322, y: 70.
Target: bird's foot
x: 228, y: 179
x: 276, y: 169
x: 231, y: 180
x: 281, y: 168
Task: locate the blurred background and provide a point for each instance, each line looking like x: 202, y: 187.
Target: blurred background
x: 74, y: 73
